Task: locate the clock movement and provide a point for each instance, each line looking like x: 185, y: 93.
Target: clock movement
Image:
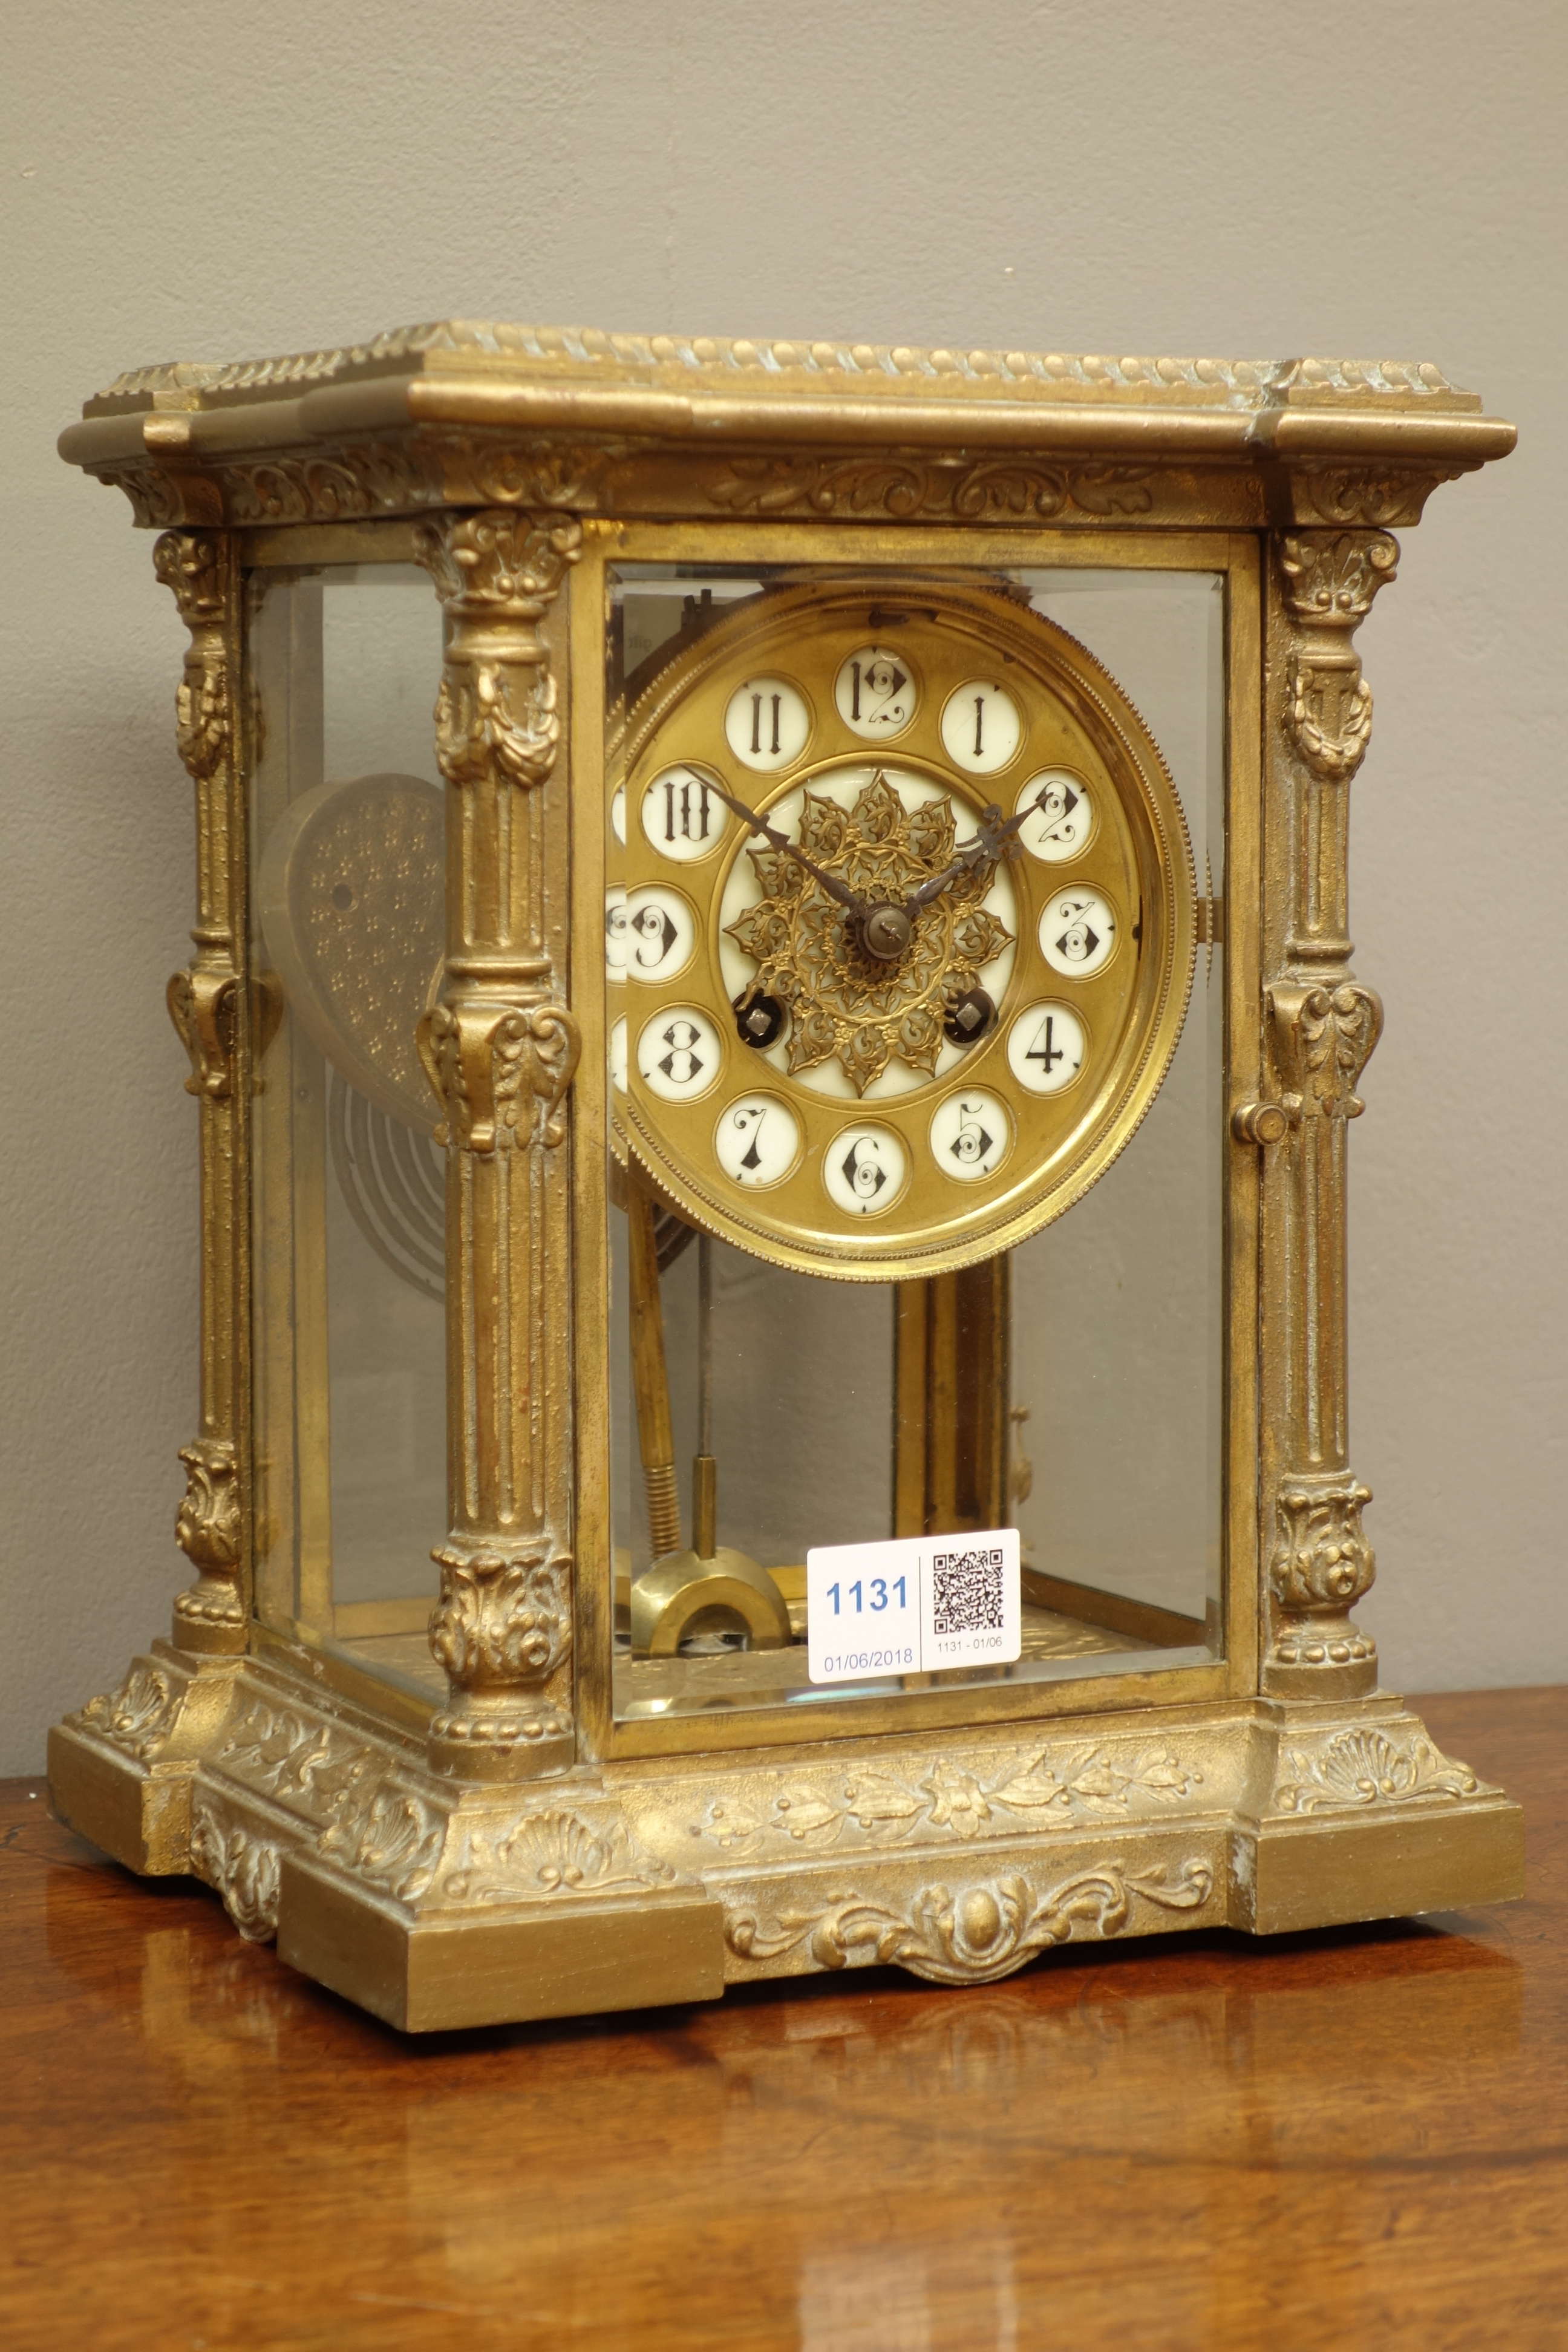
x: 773, y: 1179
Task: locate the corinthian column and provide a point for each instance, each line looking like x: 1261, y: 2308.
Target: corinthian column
x: 1321, y: 1026
x: 500, y: 1051
x: 211, y: 1615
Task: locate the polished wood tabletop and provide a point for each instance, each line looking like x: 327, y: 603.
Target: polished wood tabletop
x: 1337, y: 2139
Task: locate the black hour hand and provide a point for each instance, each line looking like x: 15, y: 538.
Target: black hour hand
x: 836, y: 889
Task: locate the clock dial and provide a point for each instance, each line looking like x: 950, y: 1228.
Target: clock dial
x: 618, y: 815
x: 971, y: 1135
x: 872, y: 994
x: 766, y: 723
x: 1047, y: 1046
x: 616, y: 933
x: 757, y: 1140
x: 1063, y: 817
x: 679, y: 1054
x: 1078, y: 933
x: 660, y: 932
x: 682, y: 815
x: 982, y: 726
x: 874, y: 693
x: 863, y: 1171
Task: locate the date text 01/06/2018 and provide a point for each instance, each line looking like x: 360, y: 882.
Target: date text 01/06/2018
x: 869, y: 1662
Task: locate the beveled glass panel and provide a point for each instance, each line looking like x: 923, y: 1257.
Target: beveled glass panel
x: 348, y: 1219
x: 1070, y: 1387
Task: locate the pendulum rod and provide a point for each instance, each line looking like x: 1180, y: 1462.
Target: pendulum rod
x: 650, y: 1376
x: 704, y: 1469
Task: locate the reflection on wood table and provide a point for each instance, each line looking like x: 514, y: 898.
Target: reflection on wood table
x: 1353, y: 2137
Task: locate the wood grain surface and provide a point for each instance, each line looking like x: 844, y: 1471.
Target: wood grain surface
x: 1347, y: 2138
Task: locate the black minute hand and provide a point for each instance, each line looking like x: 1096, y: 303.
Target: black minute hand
x: 776, y: 840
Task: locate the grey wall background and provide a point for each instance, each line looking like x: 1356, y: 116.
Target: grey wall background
x: 1232, y: 176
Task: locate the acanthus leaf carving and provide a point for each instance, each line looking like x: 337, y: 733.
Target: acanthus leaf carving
x: 201, y: 714
x: 386, y: 1836
x: 1331, y: 578
x: 552, y: 1855
x: 982, y: 1932
x: 206, y: 1526
x: 484, y: 561
x: 1330, y: 714
x: 243, y: 1867
x: 1368, y: 1766
x: 1378, y: 497
x: 486, y: 720
x: 1321, y: 1566
x: 194, y: 567
x: 138, y: 1715
x: 1323, y: 1039
x: 202, y: 1007
x: 496, y: 715
x: 501, y: 1072
x: 534, y: 472
x: 504, y: 1618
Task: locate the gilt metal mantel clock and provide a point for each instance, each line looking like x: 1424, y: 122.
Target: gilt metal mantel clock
x: 774, y: 1276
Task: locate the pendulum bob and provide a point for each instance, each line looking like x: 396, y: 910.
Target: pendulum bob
x: 709, y: 1589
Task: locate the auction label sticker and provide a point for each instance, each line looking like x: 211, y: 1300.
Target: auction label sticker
x: 919, y: 1604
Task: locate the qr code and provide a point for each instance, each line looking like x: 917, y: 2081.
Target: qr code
x: 966, y: 1591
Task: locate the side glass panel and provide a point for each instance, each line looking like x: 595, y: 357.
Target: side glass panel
x: 347, y: 865
x: 1118, y: 1359
x: 1066, y: 1384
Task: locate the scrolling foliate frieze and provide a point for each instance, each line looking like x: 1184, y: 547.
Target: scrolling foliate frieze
x: 874, y: 1807
x: 909, y: 487
x: 356, y: 480
x: 982, y: 1931
x: 500, y: 1072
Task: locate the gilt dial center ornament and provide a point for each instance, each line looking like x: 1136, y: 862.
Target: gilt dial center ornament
x: 865, y: 987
